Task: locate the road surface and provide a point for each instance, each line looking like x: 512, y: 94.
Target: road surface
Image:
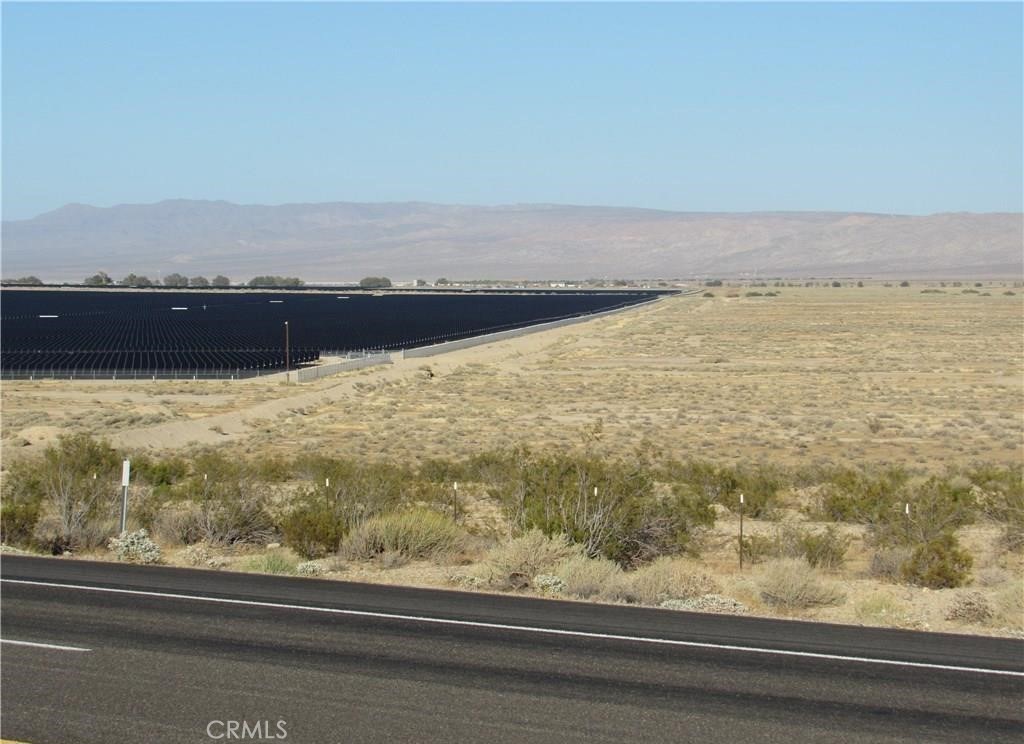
x: 147, y: 654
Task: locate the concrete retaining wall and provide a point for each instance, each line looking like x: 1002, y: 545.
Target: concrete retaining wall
x: 465, y: 343
x: 325, y: 370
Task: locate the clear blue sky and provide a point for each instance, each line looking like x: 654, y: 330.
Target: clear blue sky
x: 879, y: 107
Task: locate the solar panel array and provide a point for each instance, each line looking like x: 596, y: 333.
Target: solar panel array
x: 74, y: 331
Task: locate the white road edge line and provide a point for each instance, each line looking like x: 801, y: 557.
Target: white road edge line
x: 43, y: 645
x: 519, y: 628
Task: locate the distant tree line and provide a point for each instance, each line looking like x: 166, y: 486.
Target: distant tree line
x: 24, y: 280
x: 102, y: 279
x: 374, y: 282
x: 276, y: 281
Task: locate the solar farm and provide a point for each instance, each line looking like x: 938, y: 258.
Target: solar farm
x: 104, y: 333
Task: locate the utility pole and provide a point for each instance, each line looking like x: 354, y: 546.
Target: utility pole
x: 287, y: 354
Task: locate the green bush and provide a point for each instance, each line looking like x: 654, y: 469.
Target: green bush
x: 864, y: 496
x: 595, y: 503
x: 313, y: 530
x: 69, y: 497
x: 723, y: 484
x: 414, y: 534
x: 825, y: 549
x: 346, y: 494
x: 1002, y: 500
x: 158, y: 472
x: 18, y: 520
x: 938, y: 506
x: 938, y: 564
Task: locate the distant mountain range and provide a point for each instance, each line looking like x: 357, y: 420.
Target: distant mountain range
x: 346, y: 241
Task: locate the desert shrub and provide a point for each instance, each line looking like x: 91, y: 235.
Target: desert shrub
x: 789, y: 583
x: 991, y: 576
x: 271, y: 563
x: 758, y: 548
x: 232, y: 512
x: 824, y: 549
x: 548, y: 584
x: 937, y: 507
x: 585, y: 577
x: 886, y: 562
x: 938, y: 564
x: 414, y: 534
x: 513, y: 564
x: 69, y: 497
x: 656, y: 527
x: 200, y: 555
x: 723, y: 484
x: 309, y: 568
x: 1001, y: 499
x: 820, y: 549
x: 157, y: 472
x: 18, y: 519
x: 592, y: 501
x: 970, y: 608
x: 1009, y: 605
x: 670, y: 578
x: 860, y: 495
x: 273, y: 469
x: 135, y: 547
x: 313, y: 529
x: 322, y: 515
x: 178, y: 524
x: 437, y: 470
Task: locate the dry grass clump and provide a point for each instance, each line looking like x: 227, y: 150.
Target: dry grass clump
x: 791, y: 584
x: 670, y: 578
x: 970, y: 608
x: 1009, y: 605
x: 880, y: 608
x: 586, y: 578
x: 416, y: 534
x: 513, y: 564
x: 271, y: 563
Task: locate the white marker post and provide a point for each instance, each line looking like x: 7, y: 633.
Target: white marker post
x: 741, y: 532
x: 455, y: 501
x: 126, y: 471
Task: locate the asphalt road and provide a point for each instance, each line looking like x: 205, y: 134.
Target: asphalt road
x: 326, y: 661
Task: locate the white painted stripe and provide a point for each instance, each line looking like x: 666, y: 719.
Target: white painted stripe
x: 43, y: 645
x: 520, y: 628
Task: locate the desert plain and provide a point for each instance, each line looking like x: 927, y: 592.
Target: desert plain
x: 927, y: 376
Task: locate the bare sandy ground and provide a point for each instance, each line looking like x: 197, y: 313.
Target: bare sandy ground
x: 840, y: 375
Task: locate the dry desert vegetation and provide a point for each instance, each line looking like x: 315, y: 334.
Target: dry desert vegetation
x: 831, y: 407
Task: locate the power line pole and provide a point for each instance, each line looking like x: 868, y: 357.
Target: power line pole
x: 287, y: 354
